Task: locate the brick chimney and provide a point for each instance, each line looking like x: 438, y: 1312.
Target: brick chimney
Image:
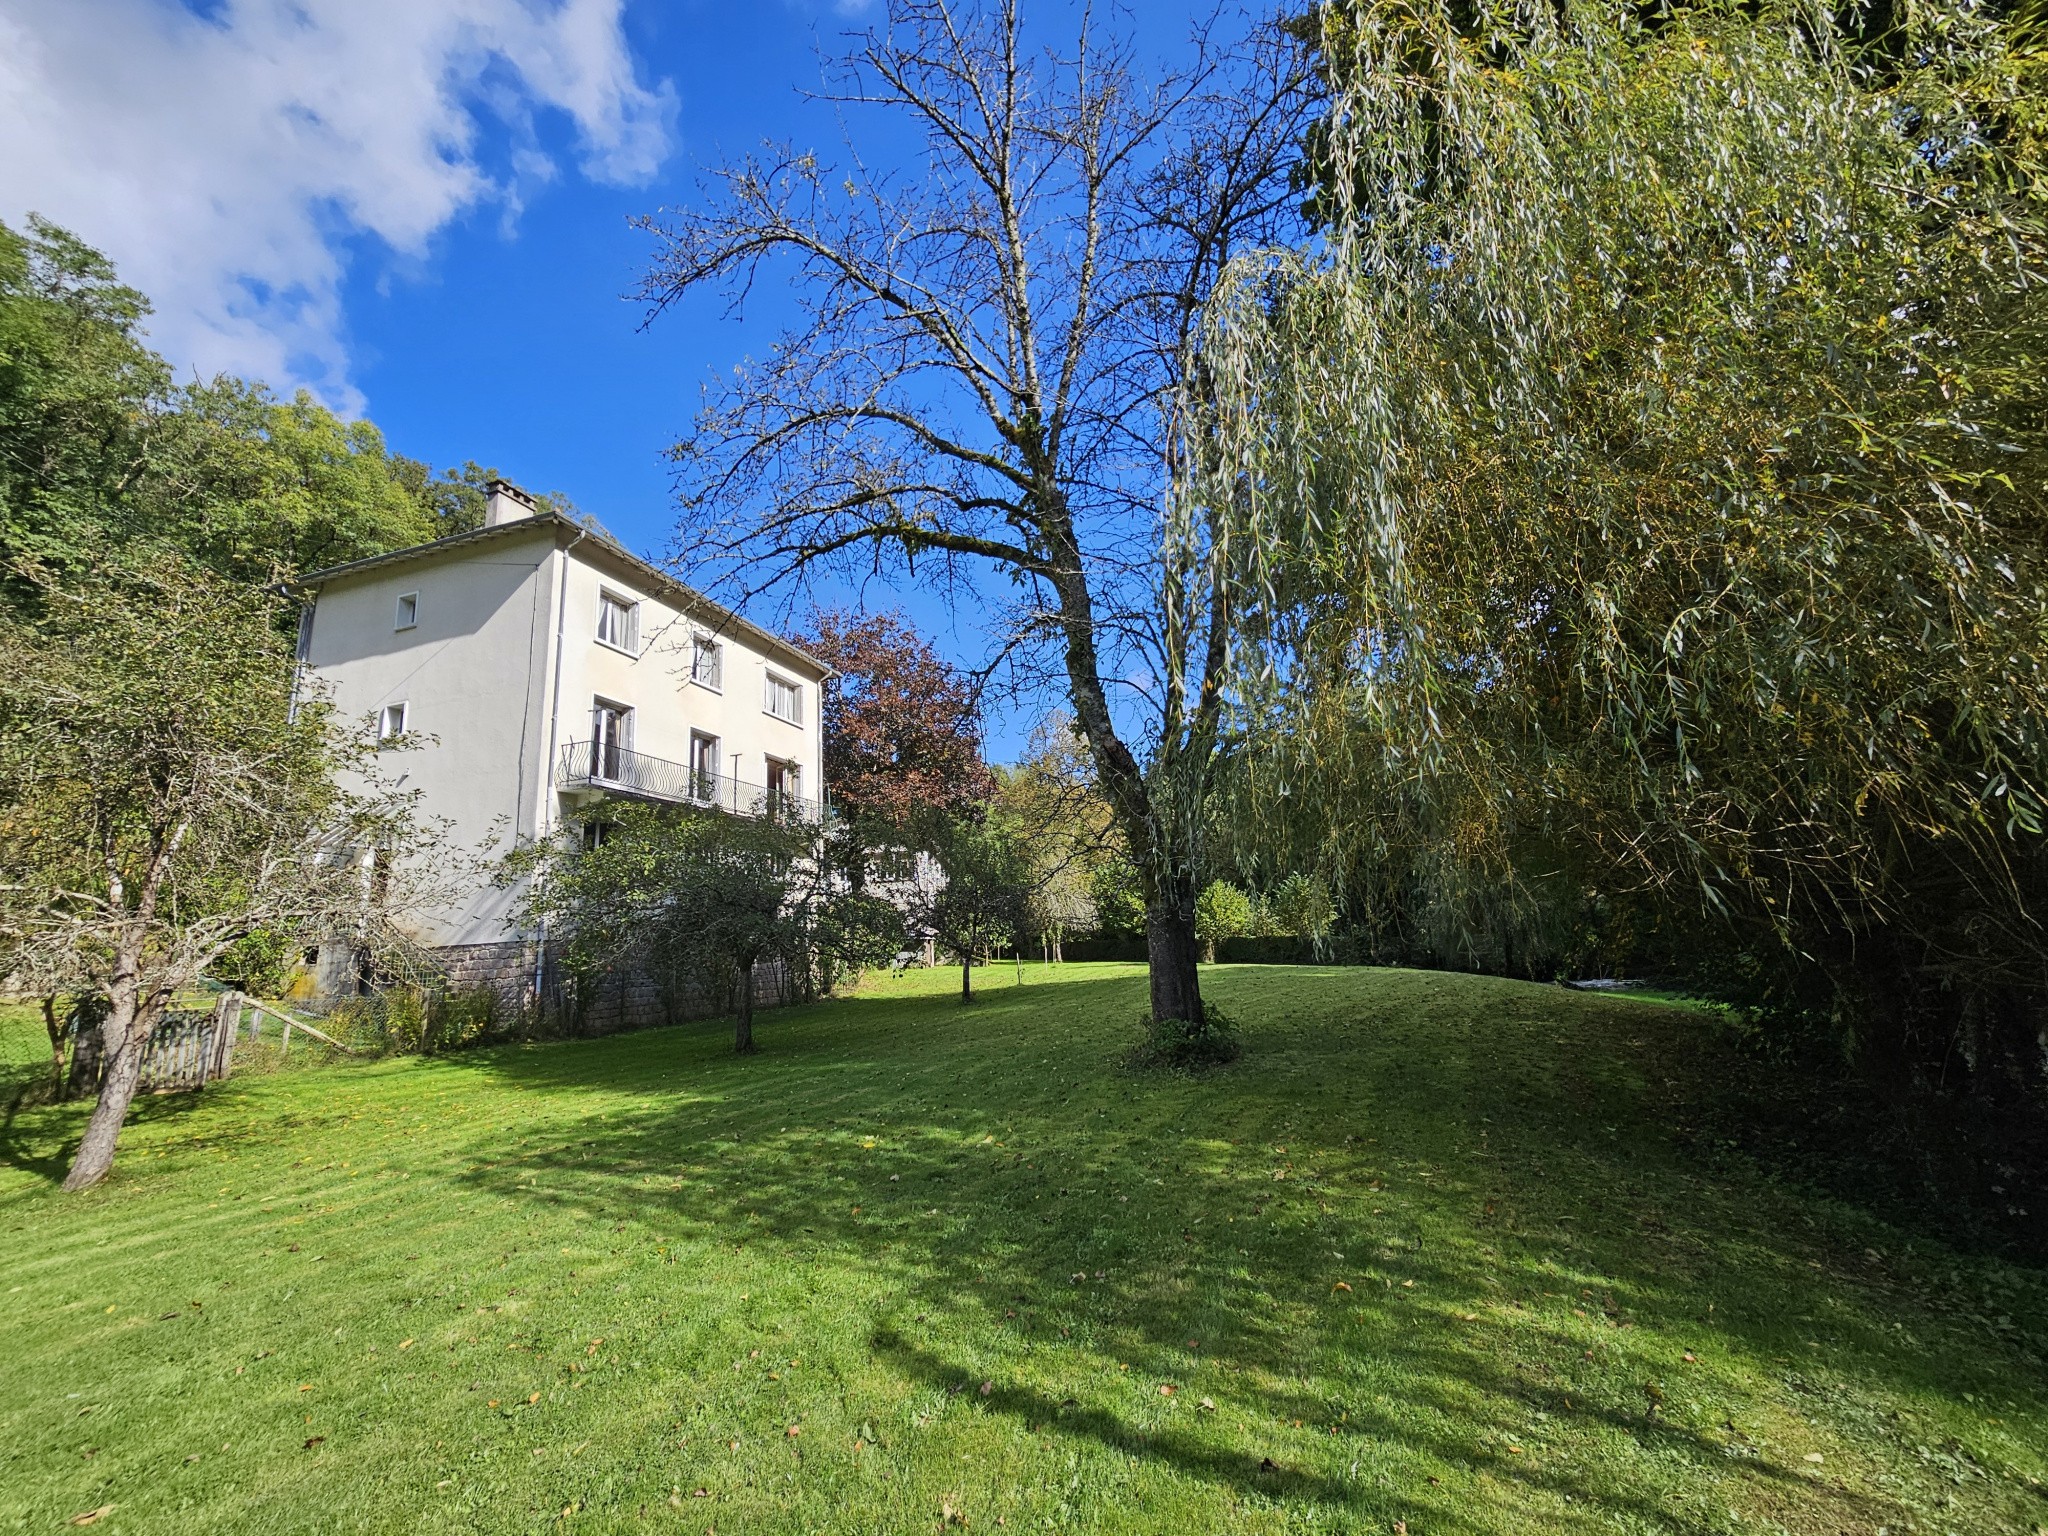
x: 507, y: 503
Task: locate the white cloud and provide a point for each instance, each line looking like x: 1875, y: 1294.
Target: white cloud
x: 224, y: 160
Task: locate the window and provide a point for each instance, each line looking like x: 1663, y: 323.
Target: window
x: 785, y: 700
x: 595, y: 835
x: 785, y: 785
x: 391, y: 723
x: 703, y: 766
x: 611, y: 738
x: 618, y: 622
x: 707, y: 663
x: 408, y: 611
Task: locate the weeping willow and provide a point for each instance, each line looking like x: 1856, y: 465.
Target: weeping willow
x: 1646, y: 470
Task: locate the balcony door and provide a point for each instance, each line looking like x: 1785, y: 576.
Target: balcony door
x: 785, y: 786
x: 611, y: 738
x: 703, y: 767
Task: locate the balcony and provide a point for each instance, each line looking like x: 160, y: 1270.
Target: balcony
x: 598, y: 767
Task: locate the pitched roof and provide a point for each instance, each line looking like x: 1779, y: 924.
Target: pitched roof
x: 685, y: 597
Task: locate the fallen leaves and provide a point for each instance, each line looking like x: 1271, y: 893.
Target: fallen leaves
x: 1341, y: 1285
x: 407, y: 1343
x: 316, y: 1440
x: 92, y: 1516
x: 1207, y: 1405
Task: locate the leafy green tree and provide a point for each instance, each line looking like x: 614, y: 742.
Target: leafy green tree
x: 1222, y: 912
x: 1300, y: 906
x: 455, y: 500
x: 76, y: 387
x: 163, y: 797
x: 1648, y: 475
x: 262, y: 489
x: 100, y: 453
x: 1116, y: 893
x: 699, y: 899
x: 1052, y: 809
x: 985, y: 898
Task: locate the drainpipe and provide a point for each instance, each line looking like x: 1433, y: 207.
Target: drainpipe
x: 300, y: 654
x: 541, y: 822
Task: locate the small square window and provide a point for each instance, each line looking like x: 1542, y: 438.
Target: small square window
x: 408, y: 611
x: 391, y: 722
x: 618, y: 622
x: 785, y: 700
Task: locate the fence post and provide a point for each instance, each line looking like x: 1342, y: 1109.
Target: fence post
x: 227, y: 1023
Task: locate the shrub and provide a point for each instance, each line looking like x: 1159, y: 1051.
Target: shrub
x: 1222, y: 911
x: 417, y: 1021
x: 1186, y: 1045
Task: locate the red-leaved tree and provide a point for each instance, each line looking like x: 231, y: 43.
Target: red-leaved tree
x: 902, y: 731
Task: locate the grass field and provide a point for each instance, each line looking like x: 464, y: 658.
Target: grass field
x: 1439, y: 1254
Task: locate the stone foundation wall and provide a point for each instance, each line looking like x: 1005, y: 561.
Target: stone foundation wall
x: 507, y: 969
x: 625, y: 997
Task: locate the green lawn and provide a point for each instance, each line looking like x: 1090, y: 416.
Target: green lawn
x: 1438, y: 1250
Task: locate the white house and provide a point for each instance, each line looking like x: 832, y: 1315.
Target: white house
x: 539, y: 665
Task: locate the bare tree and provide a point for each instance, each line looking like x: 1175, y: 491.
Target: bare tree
x: 995, y: 335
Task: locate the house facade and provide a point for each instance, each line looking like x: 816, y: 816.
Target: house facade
x: 534, y: 666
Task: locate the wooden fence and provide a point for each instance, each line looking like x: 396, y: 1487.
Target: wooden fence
x: 193, y: 1047
x: 190, y: 1049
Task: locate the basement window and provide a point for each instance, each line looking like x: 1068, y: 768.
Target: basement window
x: 392, y: 722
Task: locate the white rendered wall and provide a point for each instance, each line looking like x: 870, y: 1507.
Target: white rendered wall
x: 667, y: 706
x: 474, y: 674
x: 501, y: 673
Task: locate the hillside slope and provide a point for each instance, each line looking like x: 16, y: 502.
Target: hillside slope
x: 1439, y: 1250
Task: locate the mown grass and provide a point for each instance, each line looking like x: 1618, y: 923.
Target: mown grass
x: 1438, y: 1250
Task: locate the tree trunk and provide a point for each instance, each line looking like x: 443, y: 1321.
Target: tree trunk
x: 56, y: 1034
x: 86, y: 1059
x: 743, y: 1030
x: 1171, y: 949
x: 966, y: 973
x: 123, y: 1044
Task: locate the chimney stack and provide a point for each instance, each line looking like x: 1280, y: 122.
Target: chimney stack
x: 507, y: 503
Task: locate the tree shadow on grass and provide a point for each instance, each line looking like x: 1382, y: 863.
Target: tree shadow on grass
x: 995, y: 1163
x: 41, y: 1138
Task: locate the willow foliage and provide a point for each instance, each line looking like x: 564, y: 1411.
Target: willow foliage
x: 1651, y: 461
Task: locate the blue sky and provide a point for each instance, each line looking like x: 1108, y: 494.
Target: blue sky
x: 420, y: 208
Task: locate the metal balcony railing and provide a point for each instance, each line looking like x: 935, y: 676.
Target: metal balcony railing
x: 603, y: 765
